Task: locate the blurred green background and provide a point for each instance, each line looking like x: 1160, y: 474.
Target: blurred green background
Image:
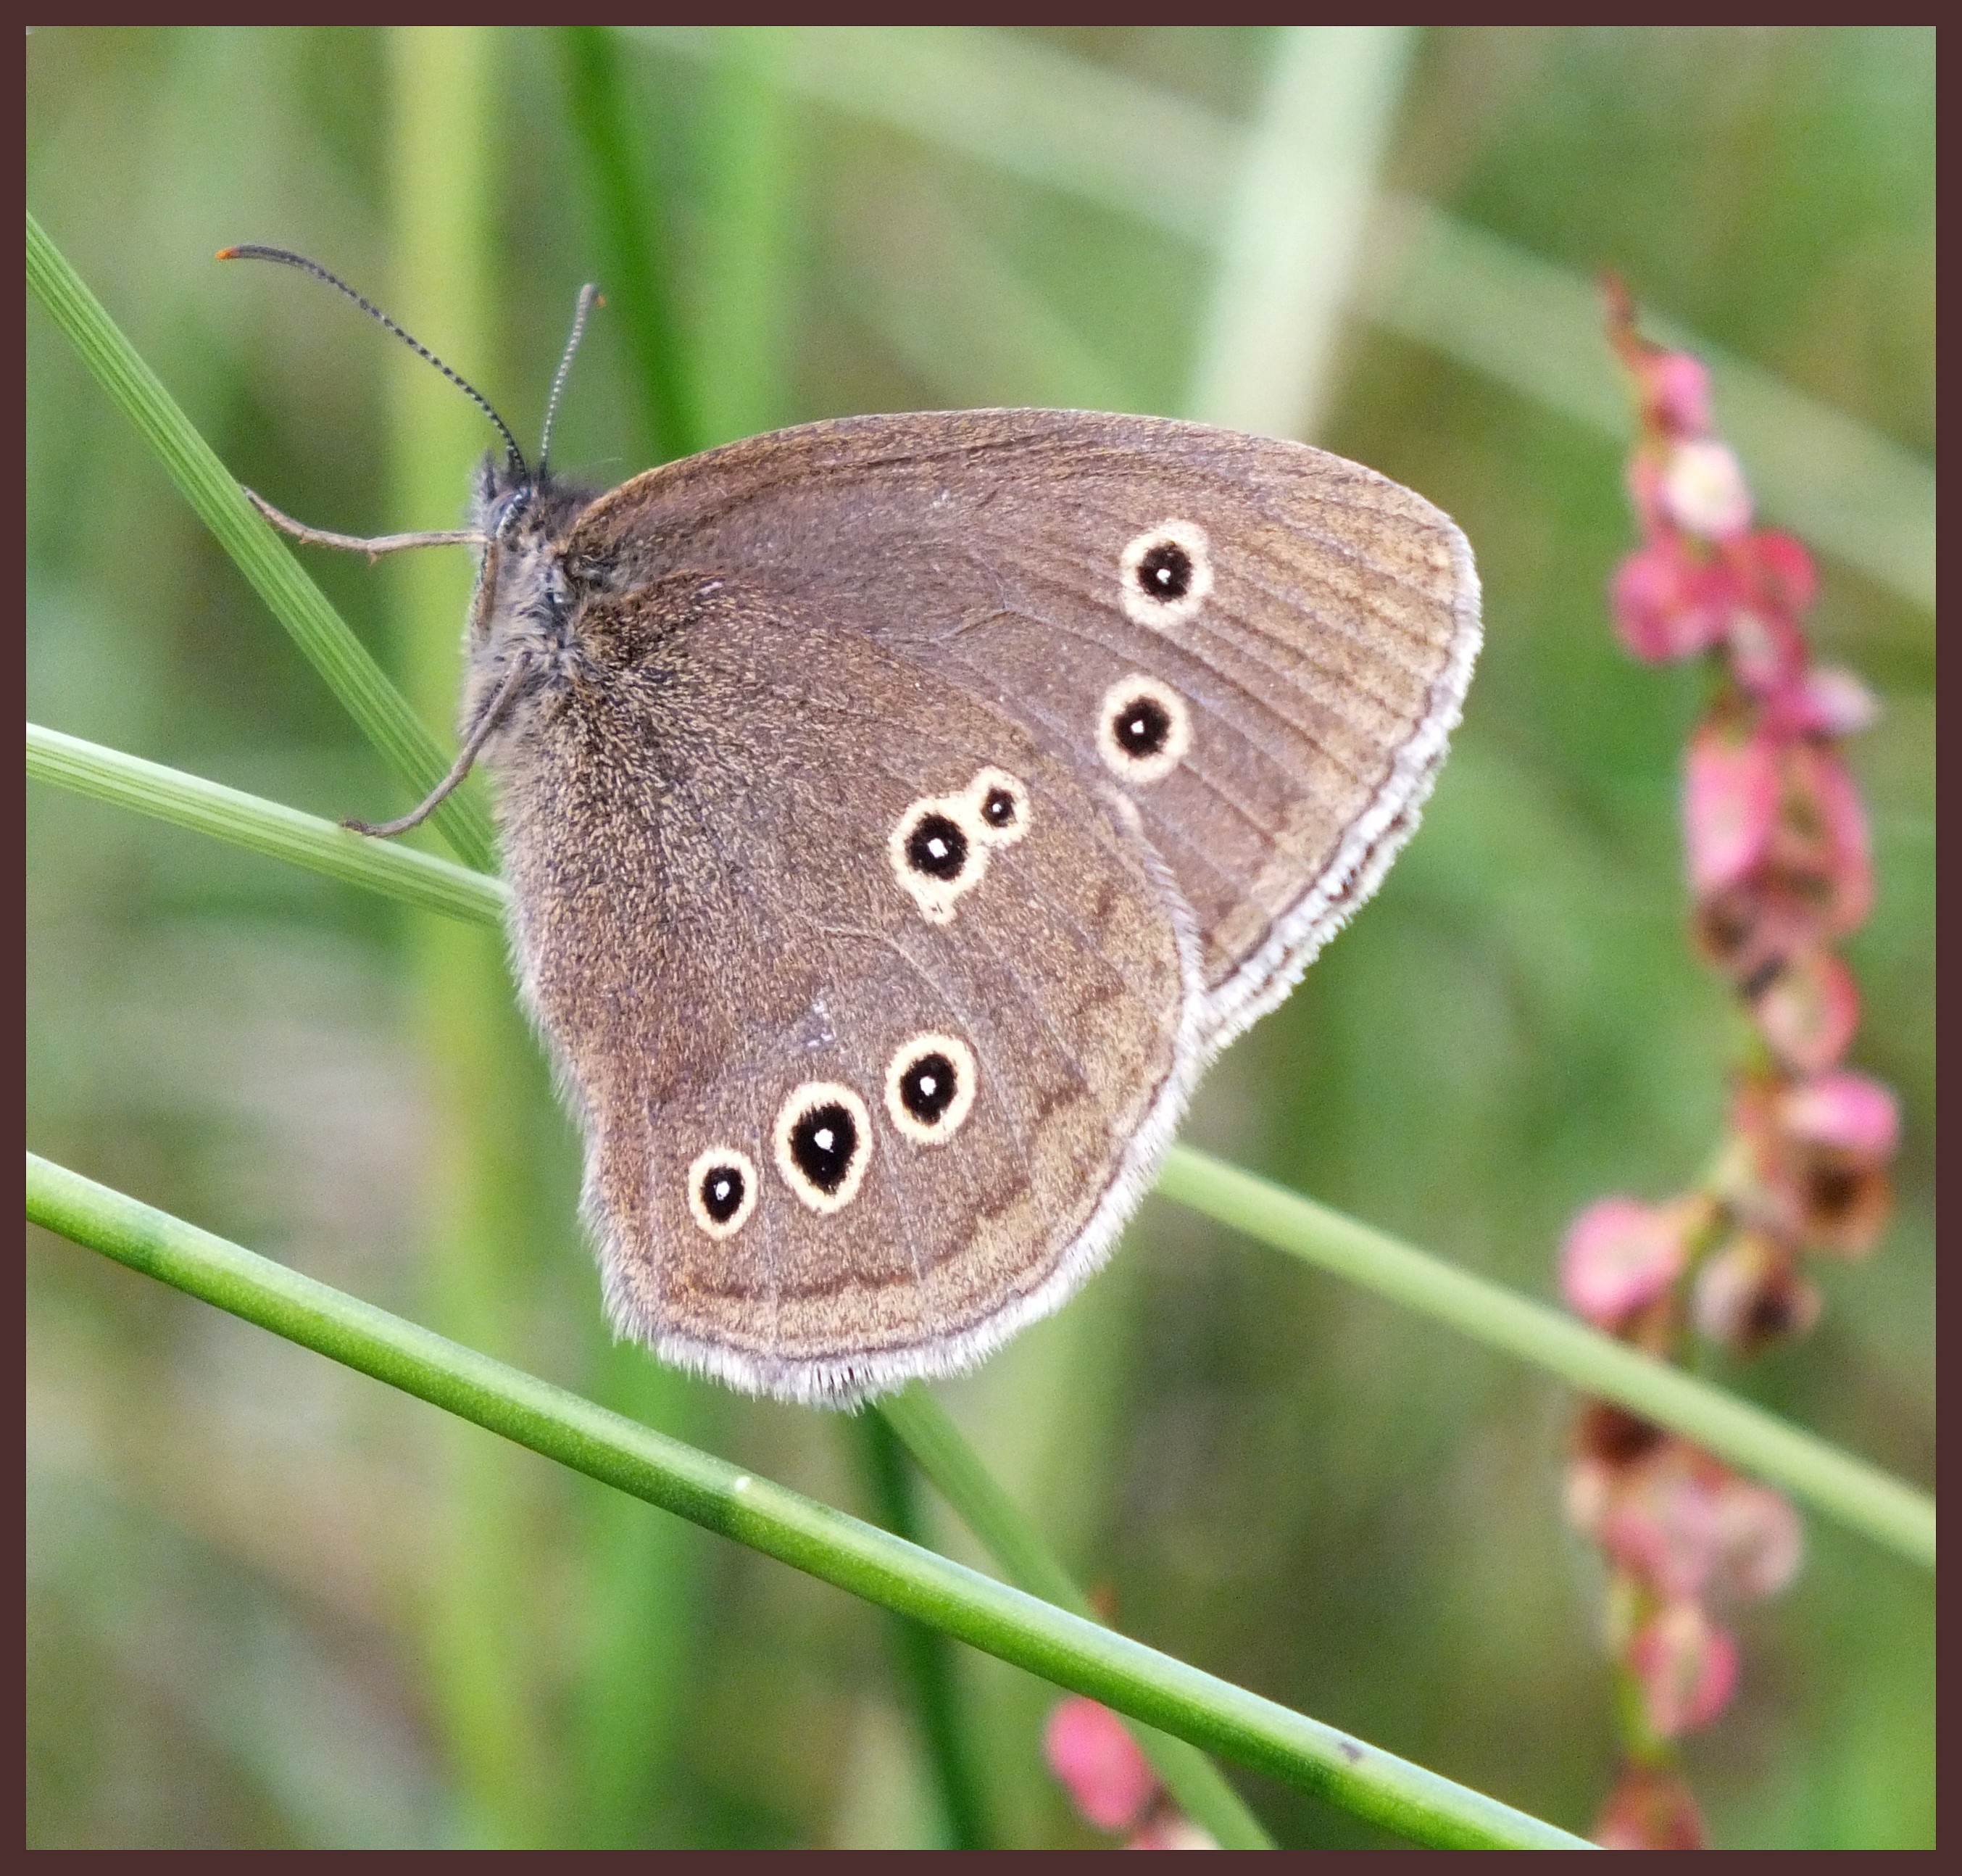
x: 270, y: 1602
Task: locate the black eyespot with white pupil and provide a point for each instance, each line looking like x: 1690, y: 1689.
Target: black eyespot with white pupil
x: 928, y: 1087
x: 1165, y: 571
x: 998, y: 808
x: 824, y: 1141
x: 937, y: 847
x: 723, y: 1189
x: 1141, y: 727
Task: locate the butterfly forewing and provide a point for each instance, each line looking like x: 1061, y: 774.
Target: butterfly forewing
x: 1301, y: 627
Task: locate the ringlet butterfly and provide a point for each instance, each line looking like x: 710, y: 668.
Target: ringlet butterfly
x: 900, y: 812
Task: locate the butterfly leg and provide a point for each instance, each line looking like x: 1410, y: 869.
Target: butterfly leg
x: 465, y: 756
x: 374, y: 546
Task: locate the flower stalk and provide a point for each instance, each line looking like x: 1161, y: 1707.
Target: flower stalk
x: 1780, y: 870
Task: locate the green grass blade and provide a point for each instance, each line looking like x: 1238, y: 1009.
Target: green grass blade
x: 354, y: 676
x: 1857, y: 1494
x: 926, y: 1659
x: 1054, y: 1643
x: 1064, y: 123
x: 1847, y: 1489
x: 628, y: 213
x: 740, y: 348
x: 1299, y: 211
x: 960, y: 1478
x: 263, y: 827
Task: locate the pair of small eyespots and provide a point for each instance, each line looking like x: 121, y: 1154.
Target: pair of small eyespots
x: 939, y: 847
x: 1144, y: 728
x: 823, y: 1139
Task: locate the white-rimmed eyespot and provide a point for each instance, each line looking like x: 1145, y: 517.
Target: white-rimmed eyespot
x: 930, y: 1085
x: 998, y: 805
x: 823, y: 1141
x: 722, y: 1187
x: 1143, y: 729
x: 1164, y: 574
x: 937, y: 852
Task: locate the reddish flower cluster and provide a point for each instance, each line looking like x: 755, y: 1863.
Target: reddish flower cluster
x: 1111, y: 1782
x: 1779, y: 871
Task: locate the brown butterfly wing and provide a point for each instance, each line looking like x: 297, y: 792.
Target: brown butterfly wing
x: 1318, y: 674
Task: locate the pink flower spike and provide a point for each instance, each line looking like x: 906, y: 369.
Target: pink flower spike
x: 1730, y: 807
x: 1686, y: 1667
x: 1853, y: 1112
x: 1704, y: 490
x: 1619, y: 1255
x: 1830, y: 701
x: 1097, y: 1761
x: 1808, y: 1012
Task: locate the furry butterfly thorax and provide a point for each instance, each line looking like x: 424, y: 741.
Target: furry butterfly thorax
x: 900, y: 811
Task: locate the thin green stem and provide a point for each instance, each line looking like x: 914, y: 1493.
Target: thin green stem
x: 263, y: 826
x: 926, y: 1660
x: 1859, y: 1495
x: 1844, y: 1488
x: 354, y: 677
x: 1054, y: 1643
x: 987, y: 1510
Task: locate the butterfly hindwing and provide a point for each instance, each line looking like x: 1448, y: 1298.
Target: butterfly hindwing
x: 718, y: 906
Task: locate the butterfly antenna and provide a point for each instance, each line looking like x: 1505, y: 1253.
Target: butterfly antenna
x: 589, y: 297
x: 252, y: 251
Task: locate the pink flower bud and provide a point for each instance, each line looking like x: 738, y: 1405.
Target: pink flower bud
x: 1665, y: 605
x: 1097, y: 1762
x: 1729, y: 806
x: 1760, y: 1539
x: 1780, y: 571
x: 1822, y: 834
x: 1829, y: 700
x: 1686, y: 1667
x: 1748, y: 1295
x: 1660, y: 1524
x: 1619, y: 1256
x: 1704, y: 490
x: 1650, y: 1809
x: 1767, y: 651
x: 1852, y: 1113
x: 1809, y: 1010
x: 1677, y: 387
x: 1810, y: 1163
